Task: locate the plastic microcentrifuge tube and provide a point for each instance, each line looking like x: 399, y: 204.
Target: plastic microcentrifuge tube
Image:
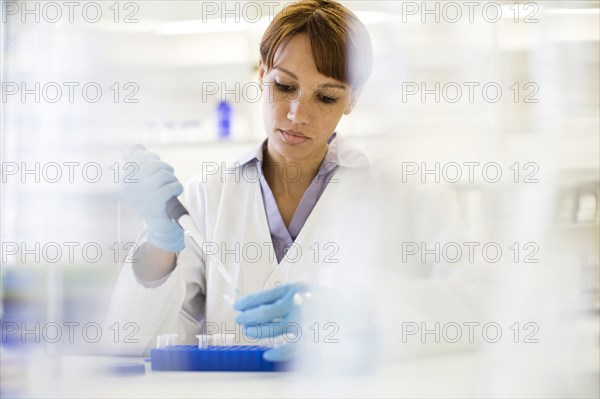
x: 300, y: 297
x: 166, y: 340
x: 204, y: 340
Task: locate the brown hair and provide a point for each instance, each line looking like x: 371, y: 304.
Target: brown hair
x: 340, y: 43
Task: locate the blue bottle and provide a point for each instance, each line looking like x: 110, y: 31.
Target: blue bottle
x: 224, y: 120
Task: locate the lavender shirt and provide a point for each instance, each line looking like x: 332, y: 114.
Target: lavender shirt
x: 281, y: 236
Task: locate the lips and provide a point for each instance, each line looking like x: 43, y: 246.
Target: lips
x: 293, y: 137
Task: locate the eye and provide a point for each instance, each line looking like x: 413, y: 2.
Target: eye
x: 326, y: 100
x: 284, y: 88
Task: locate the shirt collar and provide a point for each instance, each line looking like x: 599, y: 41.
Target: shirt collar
x: 340, y: 153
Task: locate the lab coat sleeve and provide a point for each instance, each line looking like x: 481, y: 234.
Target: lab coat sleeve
x: 381, y: 301
x: 175, y: 304
x: 431, y: 296
x: 408, y: 292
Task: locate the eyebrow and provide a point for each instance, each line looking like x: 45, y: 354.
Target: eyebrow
x: 326, y: 85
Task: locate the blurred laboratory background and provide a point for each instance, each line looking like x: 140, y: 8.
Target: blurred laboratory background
x: 515, y: 82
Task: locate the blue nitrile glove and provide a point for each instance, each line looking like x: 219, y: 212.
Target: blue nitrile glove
x: 268, y: 313
x: 148, y: 191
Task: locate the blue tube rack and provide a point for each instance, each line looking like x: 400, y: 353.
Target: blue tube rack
x: 213, y: 358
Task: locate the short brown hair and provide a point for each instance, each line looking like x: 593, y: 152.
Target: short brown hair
x: 340, y: 43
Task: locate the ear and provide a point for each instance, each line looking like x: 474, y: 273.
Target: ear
x: 353, y: 99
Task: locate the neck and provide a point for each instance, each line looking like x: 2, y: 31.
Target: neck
x: 291, y: 176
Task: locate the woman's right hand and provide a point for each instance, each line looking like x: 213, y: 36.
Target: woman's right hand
x: 154, y: 184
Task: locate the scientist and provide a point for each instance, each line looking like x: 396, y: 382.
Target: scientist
x: 303, y: 210
x: 315, y: 57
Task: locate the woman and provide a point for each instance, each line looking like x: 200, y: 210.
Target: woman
x: 315, y: 58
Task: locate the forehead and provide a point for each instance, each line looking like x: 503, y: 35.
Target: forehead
x: 295, y: 55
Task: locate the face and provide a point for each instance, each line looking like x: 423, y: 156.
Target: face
x: 302, y: 107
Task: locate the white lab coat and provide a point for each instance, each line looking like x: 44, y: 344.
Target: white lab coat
x: 340, y: 241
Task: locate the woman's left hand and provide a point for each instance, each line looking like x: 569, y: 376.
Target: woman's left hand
x: 268, y: 314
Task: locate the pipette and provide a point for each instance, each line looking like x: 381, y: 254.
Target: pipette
x: 177, y: 212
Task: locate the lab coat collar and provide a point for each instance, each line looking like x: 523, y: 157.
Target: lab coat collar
x: 340, y: 153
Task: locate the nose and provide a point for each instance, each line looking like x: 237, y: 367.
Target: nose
x: 299, y: 109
